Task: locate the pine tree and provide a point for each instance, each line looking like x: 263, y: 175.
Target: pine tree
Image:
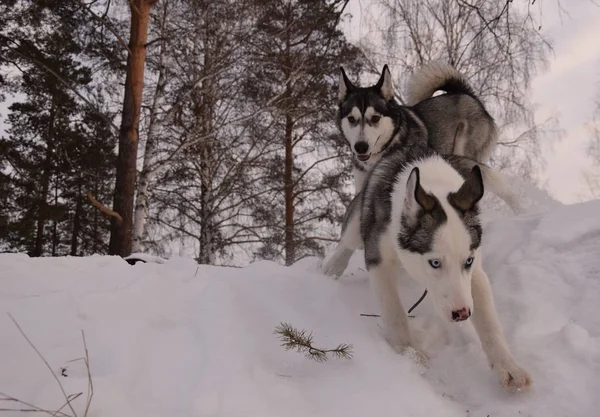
x: 41, y: 156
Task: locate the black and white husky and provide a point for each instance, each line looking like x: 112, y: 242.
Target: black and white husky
x: 374, y: 123
x: 419, y: 211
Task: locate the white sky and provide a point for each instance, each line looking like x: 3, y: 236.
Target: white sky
x: 566, y: 89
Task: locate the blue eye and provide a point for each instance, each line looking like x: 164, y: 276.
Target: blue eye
x: 469, y: 262
x: 435, y: 263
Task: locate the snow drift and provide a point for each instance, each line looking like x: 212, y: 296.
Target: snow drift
x: 175, y: 339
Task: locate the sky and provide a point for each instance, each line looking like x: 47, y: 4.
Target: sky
x: 566, y: 89
x: 569, y: 89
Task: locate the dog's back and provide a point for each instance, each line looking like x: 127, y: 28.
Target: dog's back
x: 457, y: 122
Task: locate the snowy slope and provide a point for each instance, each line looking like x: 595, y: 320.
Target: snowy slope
x: 175, y: 339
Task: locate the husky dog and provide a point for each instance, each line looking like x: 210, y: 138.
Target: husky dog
x: 373, y: 122
x: 335, y: 264
x: 420, y: 211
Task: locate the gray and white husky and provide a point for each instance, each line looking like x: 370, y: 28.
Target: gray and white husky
x: 419, y: 211
x: 374, y: 123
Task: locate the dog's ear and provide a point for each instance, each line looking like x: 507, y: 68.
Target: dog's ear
x: 416, y: 197
x: 345, y: 86
x: 470, y: 192
x: 385, y: 85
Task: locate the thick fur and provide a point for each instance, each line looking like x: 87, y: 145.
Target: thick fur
x: 420, y: 211
x: 336, y: 263
x: 374, y: 123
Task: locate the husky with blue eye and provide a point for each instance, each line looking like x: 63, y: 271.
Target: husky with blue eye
x: 374, y: 123
x: 419, y: 210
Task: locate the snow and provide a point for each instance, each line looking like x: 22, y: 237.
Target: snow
x: 176, y: 339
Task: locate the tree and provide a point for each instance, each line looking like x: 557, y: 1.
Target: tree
x: 296, y: 49
x: 496, y: 45
x: 204, y: 146
x: 41, y: 158
x: 592, y: 176
x: 120, y: 237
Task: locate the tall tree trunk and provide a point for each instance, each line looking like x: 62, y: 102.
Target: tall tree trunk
x: 204, y: 116
x: 76, y: 224
x: 55, y: 221
x: 120, y: 236
x: 290, y: 247
x: 141, y: 201
x: 290, y: 244
x: 43, y: 197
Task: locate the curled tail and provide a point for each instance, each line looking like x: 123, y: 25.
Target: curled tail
x: 436, y: 76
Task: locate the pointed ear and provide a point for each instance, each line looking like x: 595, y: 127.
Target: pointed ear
x: 385, y: 85
x: 416, y: 197
x: 470, y: 192
x: 345, y: 86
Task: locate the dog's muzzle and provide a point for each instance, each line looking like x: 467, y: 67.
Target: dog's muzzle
x: 361, y: 148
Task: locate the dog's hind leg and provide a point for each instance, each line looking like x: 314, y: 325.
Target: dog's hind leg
x: 460, y: 139
x: 487, y: 324
x: 336, y: 263
x: 496, y: 183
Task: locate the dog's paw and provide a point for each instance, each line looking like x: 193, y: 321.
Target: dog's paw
x: 335, y: 264
x: 512, y: 377
x: 331, y: 268
x: 416, y: 355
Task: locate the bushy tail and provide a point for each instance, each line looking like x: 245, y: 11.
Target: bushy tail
x: 432, y: 77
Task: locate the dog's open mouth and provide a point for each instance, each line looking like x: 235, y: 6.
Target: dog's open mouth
x: 364, y: 157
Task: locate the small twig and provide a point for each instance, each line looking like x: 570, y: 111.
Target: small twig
x: 45, y: 362
x: 32, y: 409
x: 103, y: 209
x: 303, y: 342
x: 377, y: 315
x: 72, y: 397
x: 90, y: 383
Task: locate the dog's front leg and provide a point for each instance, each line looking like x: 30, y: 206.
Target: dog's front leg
x: 383, y: 278
x: 351, y: 240
x: 487, y: 324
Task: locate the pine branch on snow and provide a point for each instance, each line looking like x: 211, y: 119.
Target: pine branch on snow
x: 302, y: 342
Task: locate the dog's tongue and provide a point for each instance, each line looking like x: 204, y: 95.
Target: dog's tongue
x: 363, y: 157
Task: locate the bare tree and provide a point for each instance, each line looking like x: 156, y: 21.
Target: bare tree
x: 496, y: 44
x: 592, y: 176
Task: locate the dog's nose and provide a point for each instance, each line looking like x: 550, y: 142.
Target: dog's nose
x: 361, y: 147
x: 461, y: 315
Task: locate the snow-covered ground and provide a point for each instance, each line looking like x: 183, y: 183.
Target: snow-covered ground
x: 175, y: 339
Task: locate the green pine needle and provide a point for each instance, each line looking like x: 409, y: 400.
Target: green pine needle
x: 302, y: 342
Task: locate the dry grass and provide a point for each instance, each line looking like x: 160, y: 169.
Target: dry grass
x: 25, y: 407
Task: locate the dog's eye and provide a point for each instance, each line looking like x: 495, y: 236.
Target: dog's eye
x: 375, y: 118
x: 435, y: 263
x: 351, y: 119
x: 469, y: 262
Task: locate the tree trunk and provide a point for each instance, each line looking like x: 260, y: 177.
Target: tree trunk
x: 290, y: 247
x: 141, y: 201
x: 120, y: 236
x: 204, y: 116
x: 43, y: 203
x: 55, y: 222
x: 76, y: 224
x: 288, y: 180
